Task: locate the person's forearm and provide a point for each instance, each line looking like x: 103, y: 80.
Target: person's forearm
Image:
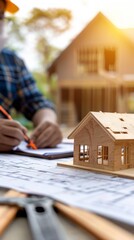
x: 44, y: 115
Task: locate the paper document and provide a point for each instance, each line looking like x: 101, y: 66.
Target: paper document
x: 108, y: 195
x: 64, y: 149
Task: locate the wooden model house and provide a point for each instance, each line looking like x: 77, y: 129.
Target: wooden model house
x: 104, y: 141
x: 95, y: 72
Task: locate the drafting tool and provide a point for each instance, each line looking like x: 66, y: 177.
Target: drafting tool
x: 27, y: 139
x: 42, y: 218
x: 98, y: 226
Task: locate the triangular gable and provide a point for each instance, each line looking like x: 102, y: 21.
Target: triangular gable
x: 82, y: 123
x: 98, y: 18
x: 119, y: 126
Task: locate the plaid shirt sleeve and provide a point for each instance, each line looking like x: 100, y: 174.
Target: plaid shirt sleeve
x: 19, y: 87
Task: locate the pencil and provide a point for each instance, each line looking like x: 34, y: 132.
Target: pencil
x: 27, y: 139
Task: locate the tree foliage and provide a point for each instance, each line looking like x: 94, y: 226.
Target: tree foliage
x: 46, y: 25
x: 42, y: 26
x: 56, y: 20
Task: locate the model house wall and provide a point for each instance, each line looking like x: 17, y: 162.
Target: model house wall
x: 104, y: 141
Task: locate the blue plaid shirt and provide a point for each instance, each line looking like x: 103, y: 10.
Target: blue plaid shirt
x: 17, y: 87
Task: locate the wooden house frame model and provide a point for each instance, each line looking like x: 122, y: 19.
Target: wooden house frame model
x: 104, y: 141
x: 95, y: 72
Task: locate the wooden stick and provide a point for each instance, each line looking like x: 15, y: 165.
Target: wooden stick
x: 98, y: 226
x: 8, y: 213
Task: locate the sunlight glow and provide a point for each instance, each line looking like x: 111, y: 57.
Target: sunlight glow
x: 120, y: 12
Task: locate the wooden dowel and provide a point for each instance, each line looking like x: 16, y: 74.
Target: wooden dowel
x: 8, y: 213
x: 101, y: 228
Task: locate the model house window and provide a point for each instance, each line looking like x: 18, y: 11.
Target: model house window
x: 124, y: 155
x: 109, y: 59
x: 87, y: 60
x: 84, y: 153
x: 102, y: 155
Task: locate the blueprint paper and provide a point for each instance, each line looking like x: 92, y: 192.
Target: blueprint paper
x: 108, y: 195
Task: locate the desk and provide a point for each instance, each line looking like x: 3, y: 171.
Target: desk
x: 18, y: 229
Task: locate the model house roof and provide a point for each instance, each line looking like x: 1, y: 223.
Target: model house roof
x: 120, y: 126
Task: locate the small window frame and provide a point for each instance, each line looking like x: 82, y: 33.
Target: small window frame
x: 84, y: 153
x: 102, y: 155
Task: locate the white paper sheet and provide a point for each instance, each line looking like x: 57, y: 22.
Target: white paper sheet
x: 62, y: 148
x: 108, y: 195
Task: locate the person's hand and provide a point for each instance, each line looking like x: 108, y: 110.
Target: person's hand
x: 47, y: 134
x: 11, y: 134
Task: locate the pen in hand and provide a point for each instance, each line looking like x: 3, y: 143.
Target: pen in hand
x: 30, y: 142
x: 27, y: 139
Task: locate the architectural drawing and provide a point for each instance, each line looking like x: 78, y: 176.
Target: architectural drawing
x: 107, y: 195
